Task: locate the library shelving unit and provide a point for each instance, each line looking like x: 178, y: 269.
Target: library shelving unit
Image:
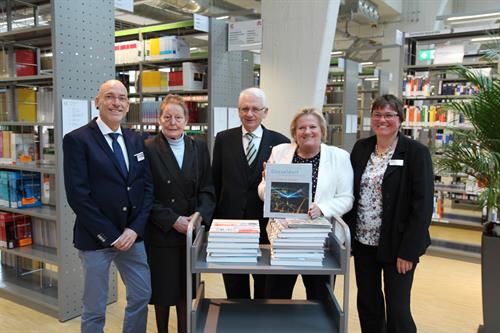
x: 47, y: 275
x: 266, y: 315
x: 145, y: 104
x: 429, y: 84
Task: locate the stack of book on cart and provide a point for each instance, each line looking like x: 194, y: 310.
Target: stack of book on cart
x: 233, y: 241
x: 298, y: 242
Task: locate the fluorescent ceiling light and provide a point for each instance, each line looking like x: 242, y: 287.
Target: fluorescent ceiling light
x: 222, y: 17
x: 368, y: 63
x: 193, y: 48
x: 484, y: 39
x: 371, y: 79
x: 201, y: 37
x: 337, y: 53
x: 486, y: 16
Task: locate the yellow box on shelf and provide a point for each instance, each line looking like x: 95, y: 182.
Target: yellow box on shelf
x: 26, y: 104
x: 154, y: 81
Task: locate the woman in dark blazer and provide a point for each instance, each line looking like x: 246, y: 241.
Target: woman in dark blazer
x: 393, y: 190
x: 182, y: 178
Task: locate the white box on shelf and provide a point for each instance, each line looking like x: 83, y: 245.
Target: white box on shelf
x: 193, y: 75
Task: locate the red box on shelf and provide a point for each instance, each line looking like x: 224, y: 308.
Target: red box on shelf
x: 26, y: 63
x: 15, y: 230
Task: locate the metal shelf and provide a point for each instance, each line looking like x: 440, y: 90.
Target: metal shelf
x: 457, y: 223
x: 330, y: 265
x: 453, y: 190
x: 42, y: 212
x: 26, y: 291
x: 36, y: 252
x: 23, y: 123
x: 164, y: 93
x: 478, y: 64
x: 440, y: 126
x: 438, y: 97
x: 159, y: 63
x: 32, y: 79
x: 291, y: 316
x: 31, y: 168
x: 28, y: 34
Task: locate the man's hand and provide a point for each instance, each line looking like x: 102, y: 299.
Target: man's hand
x: 403, y: 266
x: 181, y: 225
x: 126, y: 240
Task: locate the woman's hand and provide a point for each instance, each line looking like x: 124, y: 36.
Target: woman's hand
x: 403, y: 266
x: 181, y: 225
x: 314, y: 211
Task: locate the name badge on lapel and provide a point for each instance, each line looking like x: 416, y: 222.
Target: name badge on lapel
x: 396, y: 162
x: 139, y: 156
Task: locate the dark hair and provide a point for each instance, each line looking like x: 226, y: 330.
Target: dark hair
x: 392, y: 102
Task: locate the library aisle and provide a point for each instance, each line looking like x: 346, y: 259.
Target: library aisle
x: 446, y: 299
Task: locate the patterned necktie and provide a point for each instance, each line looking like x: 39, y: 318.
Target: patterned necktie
x: 251, y: 151
x: 118, y: 153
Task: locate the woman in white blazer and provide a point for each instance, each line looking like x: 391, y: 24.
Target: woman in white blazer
x: 332, y: 187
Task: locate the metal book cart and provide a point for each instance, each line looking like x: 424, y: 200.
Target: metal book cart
x: 227, y: 315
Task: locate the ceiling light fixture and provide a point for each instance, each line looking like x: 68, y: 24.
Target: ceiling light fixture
x: 484, y: 39
x: 368, y: 63
x: 485, y: 16
x: 222, y: 17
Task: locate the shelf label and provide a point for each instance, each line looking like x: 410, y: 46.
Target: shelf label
x: 200, y: 22
x: 245, y: 35
x: 127, y: 5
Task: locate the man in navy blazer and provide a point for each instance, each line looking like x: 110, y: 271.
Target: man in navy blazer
x: 109, y: 187
x: 237, y: 171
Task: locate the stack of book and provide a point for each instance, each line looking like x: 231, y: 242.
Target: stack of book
x: 298, y: 242
x: 233, y: 241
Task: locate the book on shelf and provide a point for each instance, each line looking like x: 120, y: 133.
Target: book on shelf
x: 166, y: 47
x: 193, y: 76
x: 4, y: 63
x: 44, y: 232
x: 211, y: 258
x: 288, y: 190
x: 15, y: 230
x: 24, y: 188
x: 129, y: 52
x: 303, y: 262
x: 45, y: 105
x: 26, y: 63
x: 175, y: 80
x: 5, y: 105
x: 23, y: 148
x: 48, y: 189
x: 154, y: 81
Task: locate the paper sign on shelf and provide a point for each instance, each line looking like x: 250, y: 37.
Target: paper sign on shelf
x: 75, y: 113
x: 233, y: 119
x: 220, y: 119
x: 127, y: 5
x: 200, y: 22
x: 245, y: 35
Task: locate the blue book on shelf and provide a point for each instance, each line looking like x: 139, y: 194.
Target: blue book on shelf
x: 24, y: 189
x: 4, y: 188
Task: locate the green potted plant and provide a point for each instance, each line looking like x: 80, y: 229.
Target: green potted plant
x: 477, y: 153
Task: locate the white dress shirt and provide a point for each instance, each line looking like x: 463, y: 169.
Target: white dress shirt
x: 256, y: 139
x: 105, y: 130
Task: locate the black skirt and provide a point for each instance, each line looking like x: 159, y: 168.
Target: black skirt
x: 168, y: 274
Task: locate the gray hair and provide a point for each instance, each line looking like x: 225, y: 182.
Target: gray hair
x: 259, y: 93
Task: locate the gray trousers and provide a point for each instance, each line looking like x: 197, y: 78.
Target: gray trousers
x: 134, y: 271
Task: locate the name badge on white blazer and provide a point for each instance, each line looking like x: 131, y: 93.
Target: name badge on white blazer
x: 396, y: 162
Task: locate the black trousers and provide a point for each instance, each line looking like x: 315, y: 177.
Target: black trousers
x: 281, y: 286
x: 238, y: 285
x: 372, y: 312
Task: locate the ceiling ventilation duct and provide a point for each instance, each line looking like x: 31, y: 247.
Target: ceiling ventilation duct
x: 360, y: 11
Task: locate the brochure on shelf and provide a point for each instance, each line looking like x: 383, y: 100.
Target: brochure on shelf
x: 288, y: 190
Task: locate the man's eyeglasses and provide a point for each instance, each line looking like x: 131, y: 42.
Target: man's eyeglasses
x: 254, y: 110
x: 111, y: 98
x: 387, y: 116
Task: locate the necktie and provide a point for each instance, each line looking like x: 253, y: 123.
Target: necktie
x: 251, y: 151
x: 118, y: 153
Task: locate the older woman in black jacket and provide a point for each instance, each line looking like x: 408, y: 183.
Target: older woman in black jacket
x: 182, y: 178
x: 393, y: 189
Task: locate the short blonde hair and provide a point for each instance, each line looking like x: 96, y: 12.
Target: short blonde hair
x: 174, y: 99
x: 304, y: 112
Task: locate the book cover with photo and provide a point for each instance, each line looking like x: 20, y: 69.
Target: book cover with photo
x: 288, y: 190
